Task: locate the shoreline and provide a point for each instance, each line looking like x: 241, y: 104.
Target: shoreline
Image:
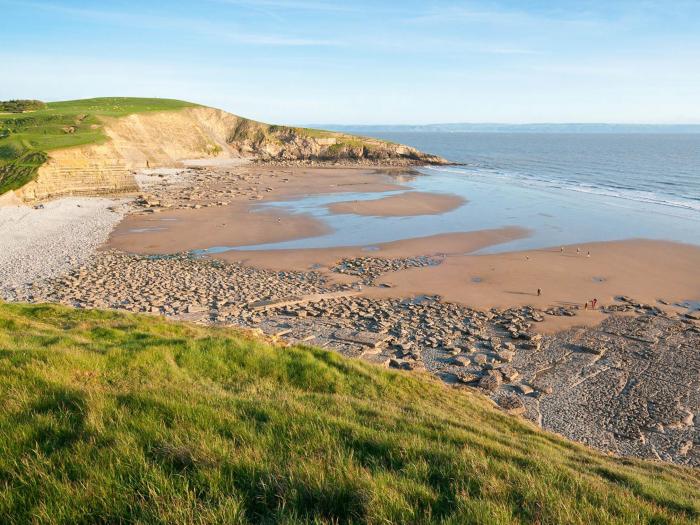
x: 184, y: 212
x: 660, y: 273
x: 653, y: 272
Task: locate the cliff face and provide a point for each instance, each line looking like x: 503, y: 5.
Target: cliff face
x: 269, y: 142
x: 165, y: 139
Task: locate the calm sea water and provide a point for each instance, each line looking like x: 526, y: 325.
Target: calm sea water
x: 657, y: 168
x: 566, y: 188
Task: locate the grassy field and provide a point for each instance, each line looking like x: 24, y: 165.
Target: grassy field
x: 26, y: 137
x: 112, y: 418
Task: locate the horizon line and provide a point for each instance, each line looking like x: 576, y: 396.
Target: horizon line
x: 495, y: 123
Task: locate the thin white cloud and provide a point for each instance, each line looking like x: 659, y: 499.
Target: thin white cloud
x: 291, y: 5
x: 195, y: 26
x: 508, y: 51
x: 500, y: 17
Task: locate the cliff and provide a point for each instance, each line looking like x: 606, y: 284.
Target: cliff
x: 92, y: 146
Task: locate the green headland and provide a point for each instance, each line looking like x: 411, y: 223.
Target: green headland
x: 30, y: 130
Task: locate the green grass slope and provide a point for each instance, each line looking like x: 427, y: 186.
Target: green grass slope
x: 25, y: 138
x: 113, y: 418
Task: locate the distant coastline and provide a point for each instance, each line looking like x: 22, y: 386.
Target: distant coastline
x: 517, y: 128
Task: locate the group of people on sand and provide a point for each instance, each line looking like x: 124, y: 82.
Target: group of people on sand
x: 578, y: 251
x: 593, y: 303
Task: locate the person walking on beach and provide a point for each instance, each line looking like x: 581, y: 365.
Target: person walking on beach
x: 595, y: 302
x: 585, y: 305
x: 588, y: 254
x: 539, y: 292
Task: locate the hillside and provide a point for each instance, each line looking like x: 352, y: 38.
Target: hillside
x: 112, y: 418
x: 89, y: 144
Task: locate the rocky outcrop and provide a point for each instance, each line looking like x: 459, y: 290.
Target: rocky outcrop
x: 64, y: 176
x: 268, y: 142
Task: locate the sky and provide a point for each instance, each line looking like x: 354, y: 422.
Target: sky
x: 366, y: 62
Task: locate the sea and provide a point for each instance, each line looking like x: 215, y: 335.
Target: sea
x: 566, y: 188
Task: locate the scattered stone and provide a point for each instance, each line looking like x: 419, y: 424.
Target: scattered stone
x: 370, y: 339
x: 467, y: 377
x: 371, y: 268
x: 461, y: 361
x: 524, y: 389
x: 505, y: 356
x: 511, y: 404
x: 509, y: 373
x: 480, y: 359
x: 491, y: 381
x: 400, y: 365
x: 591, y: 349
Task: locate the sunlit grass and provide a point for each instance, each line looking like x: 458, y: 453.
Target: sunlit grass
x: 114, y: 418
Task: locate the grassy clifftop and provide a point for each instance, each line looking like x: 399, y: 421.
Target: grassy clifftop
x: 26, y: 137
x: 109, y: 418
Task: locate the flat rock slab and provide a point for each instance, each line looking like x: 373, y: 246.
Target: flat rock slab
x: 364, y: 338
x: 193, y: 317
x: 269, y: 304
x: 630, y: 386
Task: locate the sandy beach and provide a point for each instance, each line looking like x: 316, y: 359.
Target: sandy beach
x: 402, y: 205
x: 223, y: 210
x: 647, y: 270
x: 236, y: 224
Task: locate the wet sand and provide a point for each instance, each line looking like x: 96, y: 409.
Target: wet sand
x: 322, y: 258
x: 236, y: 224
x: 402, y: 205
x: 644, y: 269
x: 273, y: 183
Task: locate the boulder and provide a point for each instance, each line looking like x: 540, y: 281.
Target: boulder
x: 491, y: 381
x: 512, y: 404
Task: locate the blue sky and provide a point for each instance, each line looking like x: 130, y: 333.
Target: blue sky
x: 370, y: 62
